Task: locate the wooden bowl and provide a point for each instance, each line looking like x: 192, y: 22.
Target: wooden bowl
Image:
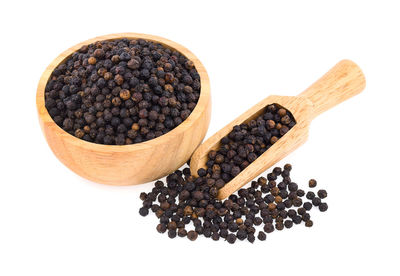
x: 127, y: 164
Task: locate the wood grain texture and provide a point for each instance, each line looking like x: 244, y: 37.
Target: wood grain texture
x: 343, y: 81
x: 128, y: 164
x: 340, y: 83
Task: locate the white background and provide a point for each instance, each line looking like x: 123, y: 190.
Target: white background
x: 53, y: 222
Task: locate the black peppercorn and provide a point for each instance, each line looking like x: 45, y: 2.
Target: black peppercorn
x: 231, y: 238
x: 296, y: 219
x: 251, y: 238
x: 215, y: 236
x: 310, y: 195
x: 172, y: 225
x: 261, y: 236
x: 323, y: 207
x: 192, y: 235
x: 288, y: 223
x: 309, y: 223
x: 307, y: 206
x: 316, y: 201
x: 241, y: 235
x: 293, y: 187
x: 143, y: 211
x: 161, y: 228
x: 306, y: 217
x: 143, y: 196
x: 312, y: 183
x: 171, y: 234
x: 269, y: 228
x: 322, y: 194
x: 300, y: 192
x: 287, y: 167
x: 224, y: 233
x: 279, y: 226
x: 297, y: 202
x: 301, y: 211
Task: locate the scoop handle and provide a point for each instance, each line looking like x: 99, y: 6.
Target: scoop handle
x: 340, y: 83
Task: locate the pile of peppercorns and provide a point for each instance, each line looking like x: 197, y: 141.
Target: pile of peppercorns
x: 274, y: 204
x: 245, y: 143
x: 122, y: 91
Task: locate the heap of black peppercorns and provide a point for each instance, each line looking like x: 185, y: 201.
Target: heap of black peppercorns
x: 245, y: 143
x: 269, y: 203
x: 122, y: 91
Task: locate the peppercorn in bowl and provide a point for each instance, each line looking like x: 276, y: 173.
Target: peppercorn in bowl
x: 112, y: 107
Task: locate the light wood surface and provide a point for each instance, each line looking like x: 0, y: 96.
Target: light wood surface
x: 128, y: 164
x: 343, y: 81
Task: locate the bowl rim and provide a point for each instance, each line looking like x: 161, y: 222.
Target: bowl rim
x: 200, y: 107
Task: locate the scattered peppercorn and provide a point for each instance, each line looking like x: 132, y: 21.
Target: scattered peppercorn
x: 192, y: 235
x: 262, y: 236
x: 322, y: 194
x: 161, y: 228
x: 307, y: 206
x: 271, y: 202
x: 251, y: 238
x: 143, y: 211
x: 288, y: 224
x: 316, y: 201
x: 323, y: 207
x: 269, y: 227
x: 122, y: 91
x: 310, y: 195
x: 182, y: 232
x: 312, y: 183
x: 171, y: 234
x: 231, y: 238
x: 215, y: 236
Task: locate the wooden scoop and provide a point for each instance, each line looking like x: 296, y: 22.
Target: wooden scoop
x: 342, y: 82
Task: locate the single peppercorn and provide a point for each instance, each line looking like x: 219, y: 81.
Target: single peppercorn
x: 269, y: 228
x: 143, y: 196
x: 241, y: 235
x: 261, y: 236
x: 301, y: 211
x: 172, y: 225
x: 192, y: 235
x: 215, y: 236
x: 143, y: 211
x: 251, y: 238
x: 288, y: 223
x: 231, y: 238
x: 307, y: 206
x: 312, y: 183
x: 310, y: 195
x: 316, y: 201
x: 309, y: 223
x: 322, y: 194
x: 323, y: 206
x: 279, y: 226
x: 161, y: 228
x: 300, y: 193
x: 125, y: 94
x: 171, y: 234
x: 182, y: 232
x: 287, y: 167
x: 92, y: 60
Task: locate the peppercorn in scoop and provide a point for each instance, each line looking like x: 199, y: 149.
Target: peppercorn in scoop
x: 122, y: 91
x: 187, y: 201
